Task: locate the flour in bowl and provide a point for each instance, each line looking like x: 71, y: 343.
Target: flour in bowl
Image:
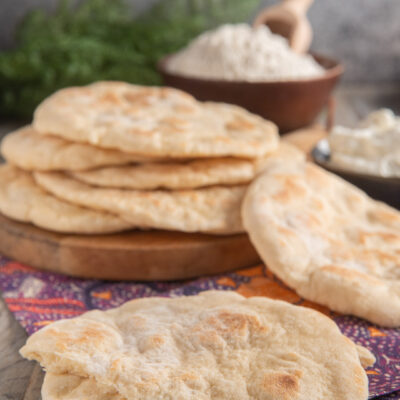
x: 242, y: 53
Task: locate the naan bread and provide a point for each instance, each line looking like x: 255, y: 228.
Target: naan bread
x: 183, y: 175
x: 327, y: 240
x: 189, y: 175
x: 29, y: 150
x: 72, y: 387
x: 154, y: 121
x: 21, y: 199
x: 214, y: 209
x: 217, y: 345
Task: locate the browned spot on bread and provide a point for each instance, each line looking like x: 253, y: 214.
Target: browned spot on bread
x: 378, y: 238
x: 381, y: 257
x: 110, y: 98
x: 136, y: 131
x: 156, y: 340
x: 283, y: 196
x: 138, y: 98
x: 223, y: 139
x: 236, y: 323
x: 183, y: 108
x: 310, y: 220
x: 173, y: 122
x: 281, y: 385
x: 134, y: 323
x: 316, y: 204
x: 188, y: 376
x: 354, y: 199
x: 384, y: 215
x: 287, y: 233
x: 208, y: 338
x: 93, y: 335
x: 191, y: 380
x: 151, y: 342
x: 226, y: 327
x: 115, y: 364
x: 164, y: 93
x: 239, y: 123
x: 290, y: 190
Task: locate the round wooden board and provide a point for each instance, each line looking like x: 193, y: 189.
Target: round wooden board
x: 135, y: 255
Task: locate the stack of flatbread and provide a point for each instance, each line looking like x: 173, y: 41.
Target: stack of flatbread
x: 113, y: 156
x: 214, y: 346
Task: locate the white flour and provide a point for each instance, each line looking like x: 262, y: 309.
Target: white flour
x: 242, y: 53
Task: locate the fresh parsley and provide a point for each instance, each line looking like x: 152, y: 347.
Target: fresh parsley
x: 100, y: 40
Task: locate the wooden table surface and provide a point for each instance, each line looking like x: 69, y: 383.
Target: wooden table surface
x: 21, y: 379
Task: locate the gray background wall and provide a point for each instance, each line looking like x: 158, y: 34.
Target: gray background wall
x: 363, y: 34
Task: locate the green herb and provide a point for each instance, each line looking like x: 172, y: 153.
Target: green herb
x: 99, y: 40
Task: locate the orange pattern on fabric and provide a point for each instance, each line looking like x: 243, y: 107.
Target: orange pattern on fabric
x: 370, y: 372
x: 253, y: 271
x: 375, y: 332
x: 43, y: 323
x: 264, y: 283
x: 12, y: 267
x: 263, y: 286
x: 54, y: 301
x: 317, y: 307
x: 102, y: 295
x: 226, y: 281
x: 41, y: 310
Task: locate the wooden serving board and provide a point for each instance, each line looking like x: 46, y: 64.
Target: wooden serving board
x: 135, y: 255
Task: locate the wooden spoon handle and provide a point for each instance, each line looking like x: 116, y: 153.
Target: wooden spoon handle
x: 298, y: 7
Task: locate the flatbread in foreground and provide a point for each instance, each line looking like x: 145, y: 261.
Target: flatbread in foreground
x: 21, y: 199
x: 216, y: 345
x: 184, y: 175
x: 73, y: 387
x: 327, y: 240
x: 213, y: 210
x: 29, y: 150
x: 154, y: 121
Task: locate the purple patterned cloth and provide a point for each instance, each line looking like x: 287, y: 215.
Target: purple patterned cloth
x: 36, y: 298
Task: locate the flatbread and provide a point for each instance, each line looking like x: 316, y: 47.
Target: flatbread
x: 72, y: 387
x: 29, y: 150
x: 327, y: 240
x: 183, y: 175
x: 190, y: 175
x: 21, y: 199
x: 214, y: 210
x: 154, y: 121
x: 216, y: 345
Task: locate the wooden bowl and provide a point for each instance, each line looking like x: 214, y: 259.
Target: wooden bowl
x: 386, y: 189
x: 290, y: 104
